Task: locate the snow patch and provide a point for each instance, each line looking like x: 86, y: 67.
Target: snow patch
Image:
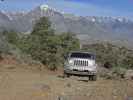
x: 5, y: 13
x: 44, y: 7
x: 93, y: 19
x: 120, y: 19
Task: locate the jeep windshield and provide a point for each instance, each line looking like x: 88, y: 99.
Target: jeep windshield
x: 82, y: 55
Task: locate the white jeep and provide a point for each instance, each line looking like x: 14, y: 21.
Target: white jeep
x: 80, y: 64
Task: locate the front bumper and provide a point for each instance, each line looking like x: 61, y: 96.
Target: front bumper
x: 81, y: 73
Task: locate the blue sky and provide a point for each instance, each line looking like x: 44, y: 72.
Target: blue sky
x: 122, y: 8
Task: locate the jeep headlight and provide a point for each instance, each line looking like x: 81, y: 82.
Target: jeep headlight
x: 70, y: 62
x: 91, y: 63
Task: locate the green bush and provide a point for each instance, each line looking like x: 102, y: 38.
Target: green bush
x: 11, y: 36
x: 111, y: 56
x: 118, y: 72
x: 43, y: 45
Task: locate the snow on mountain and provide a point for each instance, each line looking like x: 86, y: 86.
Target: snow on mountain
x: 91, y: 26
x: 44, y: 7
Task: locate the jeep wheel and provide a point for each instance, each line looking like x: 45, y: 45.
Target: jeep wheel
x: 92, y: 78
x: 66, y: 75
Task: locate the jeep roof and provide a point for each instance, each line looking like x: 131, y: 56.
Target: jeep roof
x: 81, y: 54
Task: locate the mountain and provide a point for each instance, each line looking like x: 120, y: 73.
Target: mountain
x: 5, y: 22
x: 86, y: 28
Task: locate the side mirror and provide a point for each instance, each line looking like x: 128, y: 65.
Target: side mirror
x: 65, y: 57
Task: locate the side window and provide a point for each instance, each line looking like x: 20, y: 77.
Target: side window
x: 66, y: 56
x: 93, y: 57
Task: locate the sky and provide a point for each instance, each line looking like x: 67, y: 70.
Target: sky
x: 116, y: 8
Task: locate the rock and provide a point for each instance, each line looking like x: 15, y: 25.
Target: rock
x: 129, y: 74
x: 45, y: 87
x: 63, y: 97
x: 68, y: 85
x: 60, y: 98
x: 129, y: 98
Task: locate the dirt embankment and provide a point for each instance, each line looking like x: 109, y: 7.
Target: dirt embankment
x: 18, y: 83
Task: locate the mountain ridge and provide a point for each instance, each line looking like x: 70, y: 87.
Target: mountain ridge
x: 85, y: 27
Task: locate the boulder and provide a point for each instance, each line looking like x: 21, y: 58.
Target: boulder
x: 129, y: 74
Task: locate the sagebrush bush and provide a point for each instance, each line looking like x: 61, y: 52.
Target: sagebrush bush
x: 111, y: 56
x: 43, y: 45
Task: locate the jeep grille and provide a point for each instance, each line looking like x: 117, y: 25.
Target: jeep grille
x: 80, y: 63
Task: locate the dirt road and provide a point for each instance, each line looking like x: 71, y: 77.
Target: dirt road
x: 29, y: 85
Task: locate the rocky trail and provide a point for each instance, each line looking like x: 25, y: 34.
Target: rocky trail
x: 21, y: 84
